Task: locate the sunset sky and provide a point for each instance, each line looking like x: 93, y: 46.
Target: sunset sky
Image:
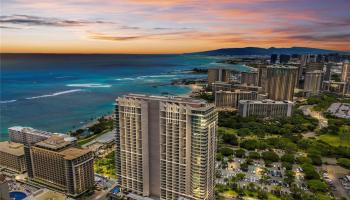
x: 172, y: 26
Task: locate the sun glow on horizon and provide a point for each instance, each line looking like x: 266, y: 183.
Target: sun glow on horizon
x: 150, y: 26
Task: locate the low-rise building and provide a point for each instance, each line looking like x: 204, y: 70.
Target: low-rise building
x: 265, y: 108
x: 12, y: 156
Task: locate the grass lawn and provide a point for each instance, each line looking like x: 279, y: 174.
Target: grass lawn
x: 334, y: 140
x: 230, y: 193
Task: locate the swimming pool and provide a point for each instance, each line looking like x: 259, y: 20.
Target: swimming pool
x: 115, y: 190
x: 17, y: 195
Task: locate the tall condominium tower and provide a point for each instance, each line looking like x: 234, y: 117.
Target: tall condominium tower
x: 165, y: 146
x: 280, y: 82
x: 313, y: 81
x: 218, y: 74
x: 345, y: 74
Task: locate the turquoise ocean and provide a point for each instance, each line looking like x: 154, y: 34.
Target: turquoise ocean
x: 61, y: 92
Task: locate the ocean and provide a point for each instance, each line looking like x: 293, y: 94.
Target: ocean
x: 61, y: 92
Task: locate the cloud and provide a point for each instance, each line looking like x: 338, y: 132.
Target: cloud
x: 329, y: 38
x: 129, y: 27
x: 44, y: 21
x: 112, y: 37
x: 100, y: 36
x: 8, y: 27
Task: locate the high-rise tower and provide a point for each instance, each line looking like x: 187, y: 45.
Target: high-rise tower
x: 280, y: 82
x: 165, y: 146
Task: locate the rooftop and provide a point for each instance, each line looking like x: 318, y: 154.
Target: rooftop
x: 34, y: 131
x: 315, y: 72
x: 12, y: 148
x: 54, y: 142
x: 265, y: 101
x: 176, y: 99
x: 29, y: 130
x: 282, y: 67
x: 73, y: 153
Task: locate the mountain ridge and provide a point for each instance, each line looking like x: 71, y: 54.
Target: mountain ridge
x: 265, y: 51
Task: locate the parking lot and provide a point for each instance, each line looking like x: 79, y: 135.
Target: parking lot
x: 269, y: 177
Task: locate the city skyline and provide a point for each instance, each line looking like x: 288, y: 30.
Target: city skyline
x: 179, y: 26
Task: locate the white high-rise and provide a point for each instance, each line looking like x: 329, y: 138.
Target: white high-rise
x: 165, y: 147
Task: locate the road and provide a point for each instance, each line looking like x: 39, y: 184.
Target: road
x: 307, y: 110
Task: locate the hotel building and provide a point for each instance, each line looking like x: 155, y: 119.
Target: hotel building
x: 230, y: 99
x: 250, y: 78
x: 165, y: 147
x: 218, y: 74
x: 29, y: 136
x: 313, y: 82
x: 53, y: 161
x: 12, y: 156
x: 265, y: 109
x: 58, y: 165
x: 217, y: 86
x: 280, y: 82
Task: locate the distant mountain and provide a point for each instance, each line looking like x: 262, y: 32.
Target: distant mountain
x: 263, y: 51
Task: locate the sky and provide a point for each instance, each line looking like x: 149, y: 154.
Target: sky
x: 170, y: 26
